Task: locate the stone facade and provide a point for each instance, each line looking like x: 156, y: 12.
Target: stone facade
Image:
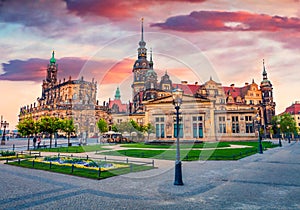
x: 67, y: 99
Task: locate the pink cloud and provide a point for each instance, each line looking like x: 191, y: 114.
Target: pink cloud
x: 228, y: 21
x: 115, y: 9
x: 35, y: 69
x: 118, y: 72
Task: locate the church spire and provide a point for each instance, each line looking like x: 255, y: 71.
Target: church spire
x: 151, y: 61
x: 117, y: 95
x: 52, y: 60
x: 265, y: 77
x: 142, y: 34
x: 142, y: 43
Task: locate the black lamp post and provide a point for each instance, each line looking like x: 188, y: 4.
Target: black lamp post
x: 279, y: 141
x: 4, y: 125
x: 288, y: 133
x: 260, y: 149
x: 177, y: 101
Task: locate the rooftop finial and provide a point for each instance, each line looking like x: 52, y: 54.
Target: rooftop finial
x: 142, y: 35
x: 52, y: 60
x: 264, y: 70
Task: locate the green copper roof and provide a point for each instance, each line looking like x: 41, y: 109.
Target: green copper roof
x: 52, y: 60
x: 117, y: 95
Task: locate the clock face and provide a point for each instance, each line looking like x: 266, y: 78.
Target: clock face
x: 144, y: 64
x: 137, y: 64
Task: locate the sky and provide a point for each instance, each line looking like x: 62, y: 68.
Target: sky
x: 191, y: 40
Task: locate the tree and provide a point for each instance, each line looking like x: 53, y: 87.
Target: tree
x: 67, y: 126
x: 102, y: 126
x: 149, y: 128
x: 50, y: 125
x: 287, y: 123
x: 28, y: 127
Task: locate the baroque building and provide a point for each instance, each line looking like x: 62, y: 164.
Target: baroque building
x: 210, y: 111
x: 67, y: 99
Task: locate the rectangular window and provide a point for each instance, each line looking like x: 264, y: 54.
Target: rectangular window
x: 235, y: 124
x: 248, y: 118
x: 222, y: 119
x: 197, y: 126
x: 180, y: 130
x: 160, y: 130
x: 222, y: 128
x: 249, y: 128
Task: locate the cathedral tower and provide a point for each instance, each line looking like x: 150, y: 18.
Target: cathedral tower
x: 52, y: 71
x: 141, y: 66
x: 268, y: 104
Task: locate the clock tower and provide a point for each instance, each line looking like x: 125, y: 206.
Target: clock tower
x: 140, y: 67
x: 268, y: 105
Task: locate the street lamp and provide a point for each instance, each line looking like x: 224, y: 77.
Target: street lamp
x: 4, y: 125
x: 177, y: 101
x: 260, y: 149
x: 288, y: 133
x: 279, y: 141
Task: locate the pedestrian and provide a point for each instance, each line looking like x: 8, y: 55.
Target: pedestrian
x: 39, y: 141
x: 34, y: 142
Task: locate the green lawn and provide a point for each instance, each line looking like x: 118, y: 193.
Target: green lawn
x: 82, y: 172
x: 74, y: 149
x: 182, y: 145
x: 194, y: 154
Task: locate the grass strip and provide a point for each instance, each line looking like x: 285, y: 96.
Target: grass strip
x: 73, y: 149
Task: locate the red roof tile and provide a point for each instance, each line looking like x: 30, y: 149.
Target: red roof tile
x: 293, y: 109
x: 187, y: 88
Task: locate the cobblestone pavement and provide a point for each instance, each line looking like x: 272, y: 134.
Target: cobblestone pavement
x: 262, y: 181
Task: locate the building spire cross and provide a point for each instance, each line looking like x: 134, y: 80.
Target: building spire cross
x: 142, y: 29
x: 264, y: 71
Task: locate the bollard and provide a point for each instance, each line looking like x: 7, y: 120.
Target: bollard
x: 72, y: 168
x: 153, y: 163
x: 50, y: 165
x: 33, y: 163
x: 6, y: 160
x: 131, y: 167
x: 19, y: 161
x: 87, y: 157
x: 13, y: 147
x: 127, y: 160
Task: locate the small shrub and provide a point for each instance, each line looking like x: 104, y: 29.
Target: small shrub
x: 8, y: 153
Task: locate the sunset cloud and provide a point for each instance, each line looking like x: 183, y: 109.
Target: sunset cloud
x: 118, y: 72
x: 115, y: 9
x: 35, y: 69
x: 198, y: 21
x: 105, y: 71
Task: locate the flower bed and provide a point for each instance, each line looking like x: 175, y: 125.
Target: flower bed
x: 81, y: 163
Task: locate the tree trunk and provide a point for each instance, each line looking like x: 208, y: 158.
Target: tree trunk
x: 69, y: 140
x: 28, y: 142
x: 50, y: 140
